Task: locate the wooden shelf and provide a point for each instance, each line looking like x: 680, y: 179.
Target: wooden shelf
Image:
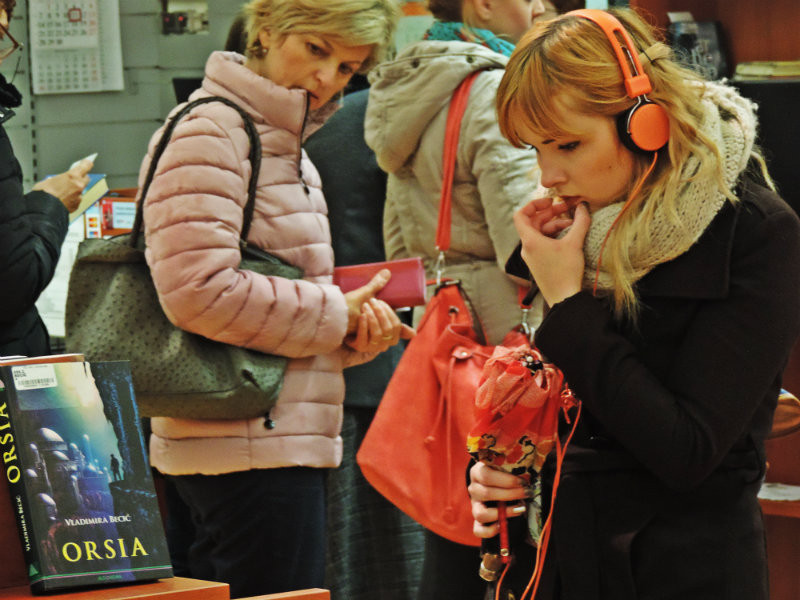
x: 313, y: 594
x: 780, y: 508
x: 176, y: 588
x: 753, y: 30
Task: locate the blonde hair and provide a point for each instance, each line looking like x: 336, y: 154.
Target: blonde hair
x: 8, y: 6
x: 354, y: 22
x: 571, y: 56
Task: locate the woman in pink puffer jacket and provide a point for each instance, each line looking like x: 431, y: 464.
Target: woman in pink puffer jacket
x: 256, y: 494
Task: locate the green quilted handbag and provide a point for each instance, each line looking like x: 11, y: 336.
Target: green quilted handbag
x: 113, y: 313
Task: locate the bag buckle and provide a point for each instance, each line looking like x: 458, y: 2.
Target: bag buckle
x: 438, y: 267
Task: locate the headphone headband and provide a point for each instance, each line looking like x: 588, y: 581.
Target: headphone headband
x: 637, y: 83
x: 645, y: 126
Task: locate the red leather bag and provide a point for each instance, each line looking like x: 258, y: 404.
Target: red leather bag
x: 414, y: 452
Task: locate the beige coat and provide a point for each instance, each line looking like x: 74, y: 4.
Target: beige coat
x: 405, y: 126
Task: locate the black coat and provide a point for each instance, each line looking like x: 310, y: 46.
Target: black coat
x: 32, y: 228
x: 658, y: 491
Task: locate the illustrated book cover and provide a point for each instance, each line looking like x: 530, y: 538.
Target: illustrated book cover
x: 80, y: 483
x: 94, y: 190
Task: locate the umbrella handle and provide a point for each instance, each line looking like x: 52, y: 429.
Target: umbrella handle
x: 505, y: 551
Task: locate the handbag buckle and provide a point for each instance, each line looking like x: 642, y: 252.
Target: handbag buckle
x: 438, y: 267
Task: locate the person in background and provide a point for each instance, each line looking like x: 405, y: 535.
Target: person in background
x: 374, y: 549
x: 256, y: 488
x: 670, y: 268
x: 236, y: 41
x: 405, y: 124
x: 32, y: 226
x: 553, y: 8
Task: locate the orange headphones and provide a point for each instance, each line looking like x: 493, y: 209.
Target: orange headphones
x: 644, y: 127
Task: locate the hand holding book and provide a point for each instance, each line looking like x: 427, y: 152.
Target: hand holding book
x: 69, y: 186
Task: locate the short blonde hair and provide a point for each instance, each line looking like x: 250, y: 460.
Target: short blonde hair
x: 571, y: 56
x: 8, y: 6
x: 354, y: 22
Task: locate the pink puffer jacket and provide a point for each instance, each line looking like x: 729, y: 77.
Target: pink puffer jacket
x: 193, y: 215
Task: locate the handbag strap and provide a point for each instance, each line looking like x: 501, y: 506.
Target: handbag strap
x: 458, y: 105
x: 254, y: 157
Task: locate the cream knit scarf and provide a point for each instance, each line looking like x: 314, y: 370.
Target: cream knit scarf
x: 730, y: 122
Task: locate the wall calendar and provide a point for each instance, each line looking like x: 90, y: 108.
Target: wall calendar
x: 75, y: 46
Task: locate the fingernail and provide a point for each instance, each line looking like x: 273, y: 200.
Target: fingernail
x: 519, y: 509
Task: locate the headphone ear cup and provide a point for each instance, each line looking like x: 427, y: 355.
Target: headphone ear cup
x: 644, y: 127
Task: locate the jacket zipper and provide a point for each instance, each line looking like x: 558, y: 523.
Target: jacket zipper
x: 300, y: 147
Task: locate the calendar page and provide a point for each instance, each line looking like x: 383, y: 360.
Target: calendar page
x: 75, y: 46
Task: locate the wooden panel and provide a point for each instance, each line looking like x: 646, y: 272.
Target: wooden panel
x: 791, y: 376
x: 783, y: 459
x: 314, y: 594
x: 176, y: 588
x: 781, y: 508
x: 761, y: 31
x: 658, y: 9
x: 782, y: 519
x: 783, y: 550
x: 753, y: 30
x: 12, y: 561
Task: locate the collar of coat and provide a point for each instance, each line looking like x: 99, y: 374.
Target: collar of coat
x: 707, y: 263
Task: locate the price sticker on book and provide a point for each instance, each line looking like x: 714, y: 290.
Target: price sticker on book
x: 34, y: 377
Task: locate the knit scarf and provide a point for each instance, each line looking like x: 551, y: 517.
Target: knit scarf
x: 729, y: 121
x: 458, y: 32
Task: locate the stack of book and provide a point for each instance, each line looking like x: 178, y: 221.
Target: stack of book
x: 767, y: 70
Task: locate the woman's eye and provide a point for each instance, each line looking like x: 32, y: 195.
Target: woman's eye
x: 568, y: 147
x: 315, y: 50
x: 346, y: 70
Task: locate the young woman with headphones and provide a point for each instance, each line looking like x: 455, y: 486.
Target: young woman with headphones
x: 669, y: 267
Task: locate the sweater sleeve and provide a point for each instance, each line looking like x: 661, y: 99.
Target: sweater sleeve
x: 682, y: 422
x: 32, y: 230
x: 193, y: 216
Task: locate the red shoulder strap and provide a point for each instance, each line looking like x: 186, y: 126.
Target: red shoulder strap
x: 458, y: 104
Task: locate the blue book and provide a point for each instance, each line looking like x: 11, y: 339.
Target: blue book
x: 94, y: 190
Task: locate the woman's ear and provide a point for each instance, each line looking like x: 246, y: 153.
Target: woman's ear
x: 477, y: 13
x: 264, y: 38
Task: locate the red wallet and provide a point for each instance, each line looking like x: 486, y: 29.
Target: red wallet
x: 405, y: 288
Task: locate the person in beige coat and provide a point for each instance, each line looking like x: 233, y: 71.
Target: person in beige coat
x: 405, y: 125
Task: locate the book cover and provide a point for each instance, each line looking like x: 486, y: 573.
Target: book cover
x: 81, y: 486
x: 94, y: 190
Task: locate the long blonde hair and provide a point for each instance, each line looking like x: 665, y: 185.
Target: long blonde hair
x: 572, y: 56
x: 354, y: 22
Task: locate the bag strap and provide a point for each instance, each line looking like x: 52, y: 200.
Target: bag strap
x: 458, y: 105
x: 254, y: 157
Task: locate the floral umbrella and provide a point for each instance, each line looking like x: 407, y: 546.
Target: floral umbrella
x: 517, y: 406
